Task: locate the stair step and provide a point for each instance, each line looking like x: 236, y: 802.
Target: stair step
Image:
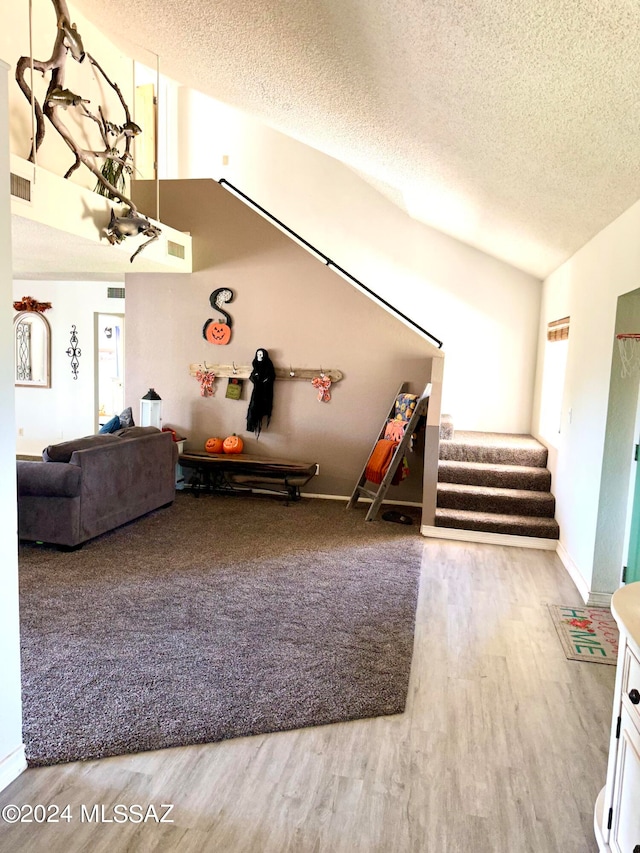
x: 498, y: 476
x: 515, y: 525
x: 502, y: 501
x: 496, y: 448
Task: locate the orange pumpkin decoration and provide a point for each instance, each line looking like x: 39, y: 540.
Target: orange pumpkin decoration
x: 214, y: 445
x: 233, y: 444
x: 217, y: 333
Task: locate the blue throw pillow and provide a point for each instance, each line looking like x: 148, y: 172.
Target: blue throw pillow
x: 110, y: 426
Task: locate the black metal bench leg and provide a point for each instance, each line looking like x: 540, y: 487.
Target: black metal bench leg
x: 196, y: 482
x: 293, y: 492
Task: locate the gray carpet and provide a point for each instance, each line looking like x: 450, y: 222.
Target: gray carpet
x: 218, y: 617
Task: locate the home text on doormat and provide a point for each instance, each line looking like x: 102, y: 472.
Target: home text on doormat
x: 586, y: 633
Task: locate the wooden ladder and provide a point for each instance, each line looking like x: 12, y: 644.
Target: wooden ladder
x: 378, y: 496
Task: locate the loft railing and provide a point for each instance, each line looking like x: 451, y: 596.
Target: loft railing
x: 225, y: 183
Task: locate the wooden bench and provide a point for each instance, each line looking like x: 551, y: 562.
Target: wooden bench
x: 241, y: 472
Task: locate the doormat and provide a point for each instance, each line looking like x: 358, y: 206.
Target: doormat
x: 586, y: 633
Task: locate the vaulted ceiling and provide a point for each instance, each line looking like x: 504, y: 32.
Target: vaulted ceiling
x: 512, y: 125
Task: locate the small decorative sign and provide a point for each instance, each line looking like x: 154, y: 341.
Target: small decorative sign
x: 234, y: 388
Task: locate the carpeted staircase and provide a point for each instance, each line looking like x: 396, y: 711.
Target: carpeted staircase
x: 495, y: 483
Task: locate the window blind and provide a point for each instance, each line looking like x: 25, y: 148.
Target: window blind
x: 558, y: 330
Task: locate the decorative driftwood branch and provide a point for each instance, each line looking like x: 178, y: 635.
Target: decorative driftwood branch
x: 128, y: 130
x: 68, y: 41
x: 55, y: 64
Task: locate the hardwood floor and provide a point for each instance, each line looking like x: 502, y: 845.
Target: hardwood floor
x: 502, y: 747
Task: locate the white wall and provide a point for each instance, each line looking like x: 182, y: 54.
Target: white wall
x: 485, y: 311
x: 11, y: 751
x: 66, y: 410
x: 587, y: 288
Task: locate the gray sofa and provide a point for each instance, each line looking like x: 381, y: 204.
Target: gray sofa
x: 91, y: 485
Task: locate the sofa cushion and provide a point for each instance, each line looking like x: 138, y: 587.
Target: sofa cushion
x: 136, y: 431
x: 54, y: 480
x: 62, y: 452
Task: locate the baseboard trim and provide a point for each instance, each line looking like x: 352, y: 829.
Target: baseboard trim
x: 599, y: 599
x: 574, y: 574
x: 12, y: 766
x: 344, y: 498
x: 324, y: 497
x: 347, y: 498
x: 509, y: 539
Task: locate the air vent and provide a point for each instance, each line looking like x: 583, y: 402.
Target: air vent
x: 175, y: 249
x: 115, y: 293
x: 20, y: 187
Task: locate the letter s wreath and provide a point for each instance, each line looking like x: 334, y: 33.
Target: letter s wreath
x: 219, y: 332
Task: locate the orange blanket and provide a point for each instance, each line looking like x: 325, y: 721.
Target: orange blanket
x: 379, y: 460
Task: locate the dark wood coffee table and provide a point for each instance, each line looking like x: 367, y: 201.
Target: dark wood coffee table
x: 237, y: 472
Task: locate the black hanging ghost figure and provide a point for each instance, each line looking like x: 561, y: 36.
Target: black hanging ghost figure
x: 263, y: 375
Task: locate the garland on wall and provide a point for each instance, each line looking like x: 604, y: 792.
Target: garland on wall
x: 28, y: 303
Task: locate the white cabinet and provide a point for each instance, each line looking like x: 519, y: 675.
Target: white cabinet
x: 625, y: 826
x: 617, y: 812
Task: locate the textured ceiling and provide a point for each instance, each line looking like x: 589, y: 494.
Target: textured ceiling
x: 512, y: 125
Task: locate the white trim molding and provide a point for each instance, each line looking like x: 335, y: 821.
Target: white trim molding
x: 12, y: 766
x: 599, y: 599
x: 363, y: 500
x: 575, y: 574
x: 510, y: 539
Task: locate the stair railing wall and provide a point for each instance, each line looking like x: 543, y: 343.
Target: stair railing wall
x: 332, y: 264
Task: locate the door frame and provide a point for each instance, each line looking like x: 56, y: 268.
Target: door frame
x: 96, y: 359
